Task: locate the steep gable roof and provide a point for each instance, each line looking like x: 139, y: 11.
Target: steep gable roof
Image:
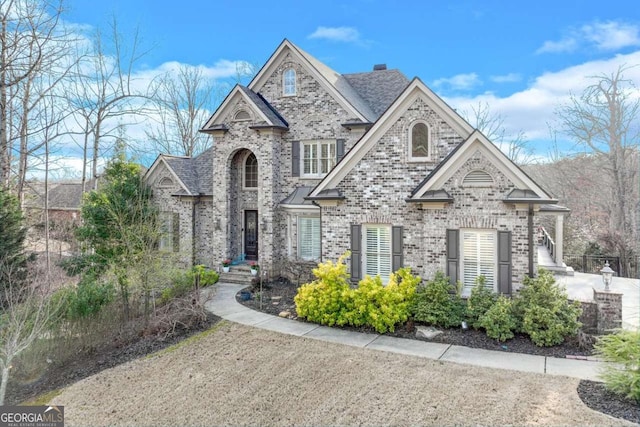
x: 415, y: 90
x: 265, y: 111
x: 527, y: 190
x: 331, y: 80
x: 194, y: 174
x: 378, y: 88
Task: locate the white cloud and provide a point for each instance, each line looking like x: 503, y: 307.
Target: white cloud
x: 337, y: 34
x: 604, y: 36
x: 611, y: 35
x: 532, y: 109
x: 507, y: 78
x: 458, y: 82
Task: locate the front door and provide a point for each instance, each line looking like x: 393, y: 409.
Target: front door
x: 251, y: 235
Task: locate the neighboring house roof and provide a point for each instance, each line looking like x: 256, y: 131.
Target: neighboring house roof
x: 62, y: 195
x: 194, y: 174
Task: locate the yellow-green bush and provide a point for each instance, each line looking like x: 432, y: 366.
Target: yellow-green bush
x: 622, y: 374
x: 499, y: 320
x: 329, y: 300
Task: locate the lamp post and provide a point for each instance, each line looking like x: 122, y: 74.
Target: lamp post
x: 607, y: 276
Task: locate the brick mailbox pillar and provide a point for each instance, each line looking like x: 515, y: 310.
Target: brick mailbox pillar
x: 609, y: 310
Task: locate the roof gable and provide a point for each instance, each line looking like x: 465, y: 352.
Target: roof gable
x: 415, y: 90
x: 477, y: 141
x: 332, y: 82
x: 259, y: 105
x: 161, y: 161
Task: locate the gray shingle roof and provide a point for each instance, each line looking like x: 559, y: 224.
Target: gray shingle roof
x: 196, y: 173
x: 274, y: 117
x: 378, y: 88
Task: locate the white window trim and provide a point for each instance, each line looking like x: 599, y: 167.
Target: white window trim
x: 318, y: 143
x: 466, y: 289
x: 295, y: 82
x: 385, y: 279
x: 411, y: 157
x: 299, y: 238
x: 244, y: 174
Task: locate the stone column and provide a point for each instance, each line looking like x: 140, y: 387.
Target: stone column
x: 558, y: 255
x: 609, y: 310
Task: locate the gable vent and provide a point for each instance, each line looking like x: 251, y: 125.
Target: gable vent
x: 477, y: 178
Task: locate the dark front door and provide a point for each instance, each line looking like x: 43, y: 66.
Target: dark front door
x: 251, y: 235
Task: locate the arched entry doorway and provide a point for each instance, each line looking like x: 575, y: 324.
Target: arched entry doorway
x: 243, y: 205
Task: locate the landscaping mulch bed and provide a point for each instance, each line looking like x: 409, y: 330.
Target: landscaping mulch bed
x: 277, y: 297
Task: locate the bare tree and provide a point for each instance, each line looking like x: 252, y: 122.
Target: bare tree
x: 103, y: 93
x: 27, y: 313
x: 181, y: 104
x: 27, y: 30
x: 515, y: 146
x: 604, y: 119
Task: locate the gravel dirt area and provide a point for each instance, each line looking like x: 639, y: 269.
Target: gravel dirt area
x: 238, y: 375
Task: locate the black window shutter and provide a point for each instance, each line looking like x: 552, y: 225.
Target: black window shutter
x: 396, y: 248
x: 356, y: 253
x: 339, y: 149
x: 295, y: 158
x: 176, y: 232
x: 453, y: 255
x: 504, y: 262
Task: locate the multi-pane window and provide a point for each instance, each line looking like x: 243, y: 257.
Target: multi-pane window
x: 289, y: 82
x: 318, y: 157
x: 169, y: 232
x: 377, y: 251
x: 251, y: 172
x: 419, y: 141
x: 309, y: 238
x: 478, y: 258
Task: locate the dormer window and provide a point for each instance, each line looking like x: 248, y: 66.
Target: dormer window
x: 242, y: 115
x: 477, y: 178
x: 419, y: 142
x: 289, y: 82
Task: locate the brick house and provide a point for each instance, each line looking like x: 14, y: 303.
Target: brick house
x: 307, y: 163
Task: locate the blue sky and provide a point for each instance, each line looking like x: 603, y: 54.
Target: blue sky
x: 522, y: 58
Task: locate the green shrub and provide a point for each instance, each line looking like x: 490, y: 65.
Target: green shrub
x: 479, y: 302
x: 86, y: 299
x: 379, y: 306
x: 499, y: 321
x: 544, y: 311
x: 330, y: 300
x: 327, y: 299
x: 207, y: 277
x: 184, y: 282
x: 438, y: 303
x: 622, y: 375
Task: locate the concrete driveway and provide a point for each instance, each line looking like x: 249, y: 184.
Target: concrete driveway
x: 580, y: 287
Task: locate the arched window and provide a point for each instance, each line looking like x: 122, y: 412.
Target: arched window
x: 419, y: 146
x: 165, y: 182
x: 289, y: 82
x: 251, y: 171
x: 242, y: 115
x: 477, y: 178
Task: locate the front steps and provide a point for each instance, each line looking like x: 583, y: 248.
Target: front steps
x: 240, y: 274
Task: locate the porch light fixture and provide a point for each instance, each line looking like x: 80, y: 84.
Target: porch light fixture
x: 607, y: 275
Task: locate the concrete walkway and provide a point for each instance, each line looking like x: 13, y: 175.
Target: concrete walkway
x: 223, y: 303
